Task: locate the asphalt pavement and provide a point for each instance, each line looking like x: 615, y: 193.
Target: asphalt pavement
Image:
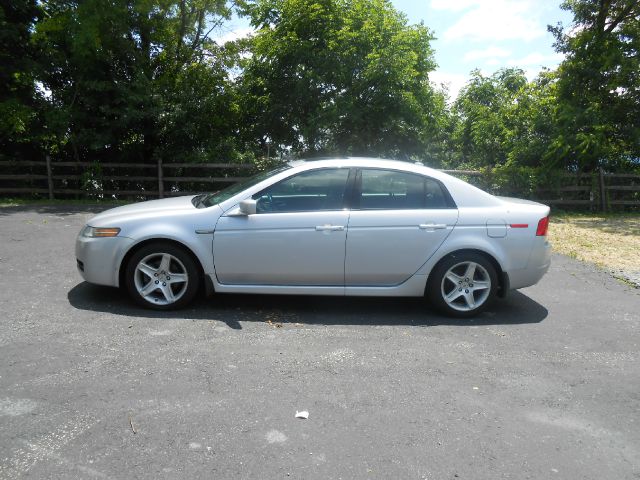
x: 544, y: 385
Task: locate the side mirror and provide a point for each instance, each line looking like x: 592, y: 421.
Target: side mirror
x: 248, y: 207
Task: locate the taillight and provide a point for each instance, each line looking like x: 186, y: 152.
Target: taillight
x: 543, y: 226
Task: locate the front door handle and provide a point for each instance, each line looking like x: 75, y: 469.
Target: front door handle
x: 329, y: 228
x: 432, y: 226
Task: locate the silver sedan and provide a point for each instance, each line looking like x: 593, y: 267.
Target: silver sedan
x: 361, y: 227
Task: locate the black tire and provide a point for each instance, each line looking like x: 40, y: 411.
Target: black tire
x: 181, y: 264
x: 466, y: 299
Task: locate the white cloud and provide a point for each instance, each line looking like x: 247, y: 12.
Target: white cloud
x: 489, y: 52
x: 493, y: 20
x: 537, y: 59
x: 531, y: 73
x: 233, y: 35
x: 453, y: 5
x: 453, y: 81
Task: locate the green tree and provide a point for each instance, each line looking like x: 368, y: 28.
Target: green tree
x: 483, y: 125
x: 599, y: 85
x: 531, y: 123
x: 19, y: 99
x: 338, y: 77
x: 505, y: 120
x: 136, y: 80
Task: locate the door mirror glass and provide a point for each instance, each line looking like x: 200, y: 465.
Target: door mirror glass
x: 248, y: 207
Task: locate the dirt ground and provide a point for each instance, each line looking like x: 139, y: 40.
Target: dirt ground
x: 611, y: 242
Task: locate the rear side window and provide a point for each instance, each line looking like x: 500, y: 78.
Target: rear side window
x: 393, y: 190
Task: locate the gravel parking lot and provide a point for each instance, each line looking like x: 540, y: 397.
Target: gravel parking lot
x: 544, y: 385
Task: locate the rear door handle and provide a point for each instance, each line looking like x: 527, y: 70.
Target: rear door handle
x: 329, y: 228
x: 432, y: 226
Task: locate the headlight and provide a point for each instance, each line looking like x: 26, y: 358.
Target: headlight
x: 100, y: 232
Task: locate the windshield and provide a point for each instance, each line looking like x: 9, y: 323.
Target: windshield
x: 211, y: 199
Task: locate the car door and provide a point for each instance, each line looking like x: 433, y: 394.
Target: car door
x: 297, y: 237
x: 398, y: 220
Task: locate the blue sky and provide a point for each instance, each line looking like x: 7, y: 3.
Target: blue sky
x: 487, y: 34
x: 484, y: 34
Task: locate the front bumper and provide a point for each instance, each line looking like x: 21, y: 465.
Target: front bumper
x: 98, y: 259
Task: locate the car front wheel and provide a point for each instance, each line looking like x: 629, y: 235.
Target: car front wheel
x: 462, y: 285
x: 162, y: 276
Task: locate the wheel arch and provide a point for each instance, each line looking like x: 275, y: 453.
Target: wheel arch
x: 503, y: 277
x: 122, y: 268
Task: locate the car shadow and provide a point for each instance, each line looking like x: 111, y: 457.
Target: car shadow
x: 233, y: 309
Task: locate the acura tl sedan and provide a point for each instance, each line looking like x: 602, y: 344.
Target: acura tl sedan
x: 358, y: 226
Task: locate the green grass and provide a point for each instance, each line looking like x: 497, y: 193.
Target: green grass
x: 609, y: 240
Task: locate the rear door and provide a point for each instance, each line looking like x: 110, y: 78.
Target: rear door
x: 398, y: 221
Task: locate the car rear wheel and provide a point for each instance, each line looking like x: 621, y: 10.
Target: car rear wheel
x: 462, y: 285
x: 162, y: 276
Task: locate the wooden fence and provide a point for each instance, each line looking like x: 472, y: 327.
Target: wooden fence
x: 597, y: 191
x: 63, y: 180
x: 84, y: 180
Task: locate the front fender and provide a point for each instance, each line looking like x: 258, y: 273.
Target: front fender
x: 201, y: 245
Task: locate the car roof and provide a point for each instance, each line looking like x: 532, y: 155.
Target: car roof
x: 370, y: 162
x: 363, y: 162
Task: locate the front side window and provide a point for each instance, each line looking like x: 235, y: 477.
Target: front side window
x: 393, y: 190
x: 208, y: 200
x: 314, y: 190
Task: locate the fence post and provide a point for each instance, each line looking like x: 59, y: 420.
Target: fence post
x: 603, y: 191
x: 160, y: 180
x: 49, y: 176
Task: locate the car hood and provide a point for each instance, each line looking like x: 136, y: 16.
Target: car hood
x: 152, y: 208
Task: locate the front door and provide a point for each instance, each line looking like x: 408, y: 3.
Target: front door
x: 297, y: 237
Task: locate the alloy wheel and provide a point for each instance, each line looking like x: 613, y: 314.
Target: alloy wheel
x: 466, y: 286
x: 161, y: 278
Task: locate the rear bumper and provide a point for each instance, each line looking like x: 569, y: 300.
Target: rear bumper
x: 537, y: 266
x: 98, y: 259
